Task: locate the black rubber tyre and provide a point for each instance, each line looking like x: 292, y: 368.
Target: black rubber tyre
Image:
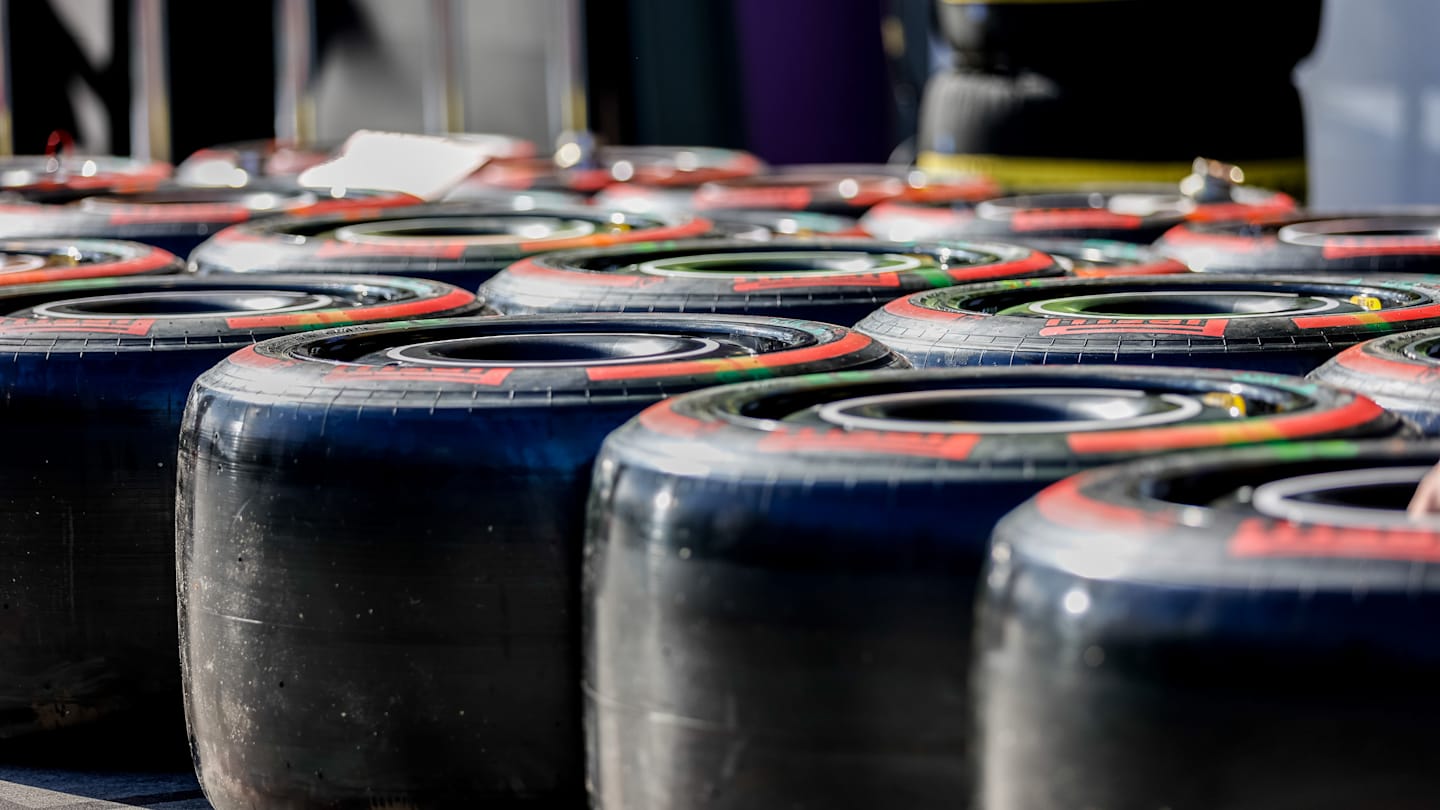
x: 1244, y: 629
x: 36, y: 261
x: 1282, y: 324
x: 444, y: 640
x: 1095, y: 215
x: 836, y: 281
x: 1103, y: 258
x: 763, y: 226
x: 461, y: 244
x: 844, y: 190
x: 1033, y: 133
x: 1401, y: 372
x: 174, y: 218
x: 905, y: 220
x: 780, y: 576
x: 670, y: 166
x: 1391, y: 243
x: 95, y: 377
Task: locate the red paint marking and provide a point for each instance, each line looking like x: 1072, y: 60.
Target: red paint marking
x: 379, y: 312
x: 177, y: 212
x: 528, y: 268
x: 662, y: 418
x: 950, y: 446
x: 132, y: 327
x: 1064, y: 504
x: 422, y: 374
x: 1358, y: 358
x: 906, y: 308
x: 1361, y: 318
x: 745, y: 285
x: 1229, y: 242
x: 784, y: 198
x: 1085, y: 218
x: 439, y: 248
x: 1257, y: 537
x: 151, y: 260
x: 1032, y: 263
x: 851, y: 342
x: 1356, y: 413
x: 1277, y: 204
x: 376, y: 205
x: 664, y: 233
x: 1362, y: 246
x: 249, y: 358
x: 1190, y: 327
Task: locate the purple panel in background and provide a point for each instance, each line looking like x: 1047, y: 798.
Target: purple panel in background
x: 814, y: 80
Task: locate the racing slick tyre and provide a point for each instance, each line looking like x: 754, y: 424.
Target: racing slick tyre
x: 836, y: 281
x: 458, y: 243
x: 1283, y: 324
x: 95, y: 377
x: 1242, y: 628
x: 779, y: 576
x: 35, y: 261
x: 412, y: 651
x: 1392, y: 243
x: 1400, y: 372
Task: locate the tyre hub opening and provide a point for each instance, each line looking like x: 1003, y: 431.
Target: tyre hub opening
x: 480, y: 230
x: 1347, y: 498
x: 1380, y: 230
x: 780, y: 264
x: 1010, y: 410
x: 561, y: 349
x: 185, y: 303
x: 1181, y: 304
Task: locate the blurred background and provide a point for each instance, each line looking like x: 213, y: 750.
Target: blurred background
x: 791, y: 80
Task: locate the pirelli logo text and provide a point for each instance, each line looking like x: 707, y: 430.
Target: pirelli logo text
x: 1190, y: 327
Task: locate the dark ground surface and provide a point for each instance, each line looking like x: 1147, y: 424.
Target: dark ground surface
x: 24, y: 788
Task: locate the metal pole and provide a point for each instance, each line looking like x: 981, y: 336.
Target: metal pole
x: 566, y: 85
x: 150, y: 95
x: 7, y: 132
x: 294, y: 67
x: 444, y: 98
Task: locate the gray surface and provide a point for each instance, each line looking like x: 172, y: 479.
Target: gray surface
x: 33, y: 788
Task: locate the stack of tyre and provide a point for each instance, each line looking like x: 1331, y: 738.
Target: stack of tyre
x: 485, y: 503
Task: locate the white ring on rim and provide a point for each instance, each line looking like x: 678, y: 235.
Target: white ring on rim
x: 391, y: 231
x: 1040, y: 307
x: 707, y: 345
x: 314, y: 301
x: 1278, y: 499
x: 1184, y: 407
x: 865, y: 263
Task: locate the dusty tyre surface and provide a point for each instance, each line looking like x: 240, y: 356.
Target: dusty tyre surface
x: 1262, y: 611
x: 779, y: 576
x: 389, y: 648
x: 1282, y: 324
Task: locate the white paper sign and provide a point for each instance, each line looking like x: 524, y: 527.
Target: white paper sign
x: 425, y: 166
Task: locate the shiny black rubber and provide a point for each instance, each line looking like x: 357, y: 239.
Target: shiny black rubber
x: 779, y: 605
x: 1401, y: 372
x: 831, y: 280
x: 1281, y: 324
x: 1150, y: 637
x: 379, y: 535
x: 93, y: 382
